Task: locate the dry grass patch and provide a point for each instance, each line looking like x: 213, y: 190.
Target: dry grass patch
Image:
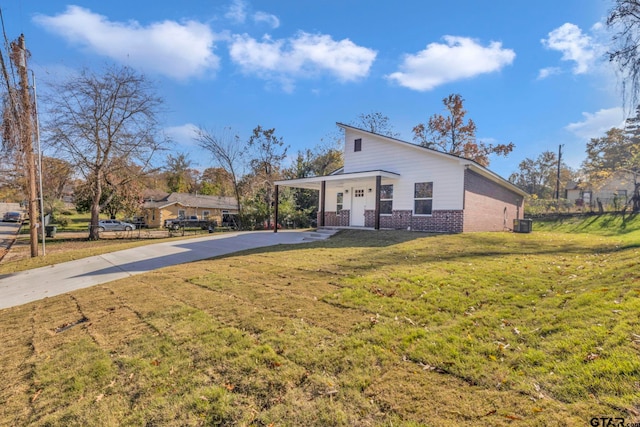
x: 366, y: 329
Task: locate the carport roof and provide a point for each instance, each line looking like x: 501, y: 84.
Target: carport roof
x: 315, y: 182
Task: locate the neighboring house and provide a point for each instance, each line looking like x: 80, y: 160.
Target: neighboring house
x: 183, y: 205
x: 392, y: 184
x: 614, y: 193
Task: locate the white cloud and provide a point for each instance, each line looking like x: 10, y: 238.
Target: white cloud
x: 456, y: 59
x: 267, y: 18
x: 597, y: 124
x: 237, y: 12
x: 304, y: 55
x: 574, y: 45
x: 183, y: 135
x: 549, y: 71
x: 177, y: 50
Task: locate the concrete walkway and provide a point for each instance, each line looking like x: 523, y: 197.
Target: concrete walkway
x: 31, y: 285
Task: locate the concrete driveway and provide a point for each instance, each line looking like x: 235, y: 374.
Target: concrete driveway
x: 31, y: 285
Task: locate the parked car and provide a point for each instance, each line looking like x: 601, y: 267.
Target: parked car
x: 12, y: 217
x: 138, y: 221
x: 114, y: 225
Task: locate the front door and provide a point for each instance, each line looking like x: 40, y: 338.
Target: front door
x: 358, y: 204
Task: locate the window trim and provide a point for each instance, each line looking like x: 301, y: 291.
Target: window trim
x: 386, y: 200
x: 415, y: 199
x: 339, y: 201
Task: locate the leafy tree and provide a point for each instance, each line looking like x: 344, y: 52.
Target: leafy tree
x: 102, y: 123
x: 56, y: 174
x: 268, y: 152
x: 375, y: 122
x: 452, y: 135
x: 115, y: 199
x: 539, y: 176
x: 302, y: 204
x: 618, y: 152
x: 216, y: 182
x: 228, y: 153
x: 181, y: 178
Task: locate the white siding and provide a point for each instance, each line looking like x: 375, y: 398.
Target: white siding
x: 413, y: 164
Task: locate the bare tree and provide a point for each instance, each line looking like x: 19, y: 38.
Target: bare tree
x: 376, y: 122
x: 624, y: 21
x: 103, y: 123
x: 228, y: 153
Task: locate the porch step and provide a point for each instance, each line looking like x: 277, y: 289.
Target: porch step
x: 319, y: 234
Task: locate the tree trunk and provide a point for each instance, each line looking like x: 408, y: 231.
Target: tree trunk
x: 94, y: 233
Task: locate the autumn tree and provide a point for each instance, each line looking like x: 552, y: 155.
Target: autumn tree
x: 375, y: 122
x: 102, y: 123
x: 539, y: 176
x: 216, y: 182
x: 228, y: 153
x: 451, y: 134
x: 56, y: 174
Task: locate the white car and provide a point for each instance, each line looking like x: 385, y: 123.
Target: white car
x: 114, y: 225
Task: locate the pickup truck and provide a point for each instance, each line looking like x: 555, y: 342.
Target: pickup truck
x: 189, y: 222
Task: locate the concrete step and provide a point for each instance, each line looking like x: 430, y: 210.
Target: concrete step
x: 319, y: 234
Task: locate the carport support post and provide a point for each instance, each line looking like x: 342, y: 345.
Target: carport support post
x: 275, y: 209
x: 377, y: 214
x: 323, y: 187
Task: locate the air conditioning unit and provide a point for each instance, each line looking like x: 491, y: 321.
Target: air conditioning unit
x: 522, y: 225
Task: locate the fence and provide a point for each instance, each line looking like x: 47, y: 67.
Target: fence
x: 534, y: 206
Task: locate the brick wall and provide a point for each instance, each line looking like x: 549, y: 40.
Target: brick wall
x: 489, y: 206
x: 335, y: 219
x: 438, y: 222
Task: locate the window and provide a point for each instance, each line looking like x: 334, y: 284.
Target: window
x: 423, y: 198
x: 206, y: 214
x: 358, y: 193
x: 357, y: 144
x: 339, y: 201
x: 181, y: 213
x: 386, y: 199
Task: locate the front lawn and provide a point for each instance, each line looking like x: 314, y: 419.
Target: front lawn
x: 366, y: 328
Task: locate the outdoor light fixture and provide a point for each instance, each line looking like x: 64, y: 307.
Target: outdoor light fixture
x: 370, y: 190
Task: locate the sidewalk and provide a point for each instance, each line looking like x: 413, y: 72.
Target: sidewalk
x: 31, y: 285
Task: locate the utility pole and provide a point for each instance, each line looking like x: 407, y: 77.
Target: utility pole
x: 558, y: 174
x: 19, y: 56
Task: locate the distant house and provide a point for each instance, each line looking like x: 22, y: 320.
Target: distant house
x: 392, y: 184
x: 183, y: 205
x: 613, y: 193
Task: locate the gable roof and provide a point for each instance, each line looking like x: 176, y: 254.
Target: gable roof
x: 193, y: 200
x: 467, y: 163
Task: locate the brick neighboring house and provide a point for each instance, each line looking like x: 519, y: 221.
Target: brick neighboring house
x: 176, y: 205
x: 392, y: 184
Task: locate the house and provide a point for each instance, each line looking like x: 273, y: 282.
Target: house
x: 614, y: 193
x: 392, y: 184
x: 183, y: 205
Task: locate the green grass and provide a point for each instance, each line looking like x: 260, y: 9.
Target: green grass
x: 607, y: 225
x: 366, y: 328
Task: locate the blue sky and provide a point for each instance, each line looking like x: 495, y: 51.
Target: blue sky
x: 531, y: 72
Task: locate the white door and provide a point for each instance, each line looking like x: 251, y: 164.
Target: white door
x: 358, y: 204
